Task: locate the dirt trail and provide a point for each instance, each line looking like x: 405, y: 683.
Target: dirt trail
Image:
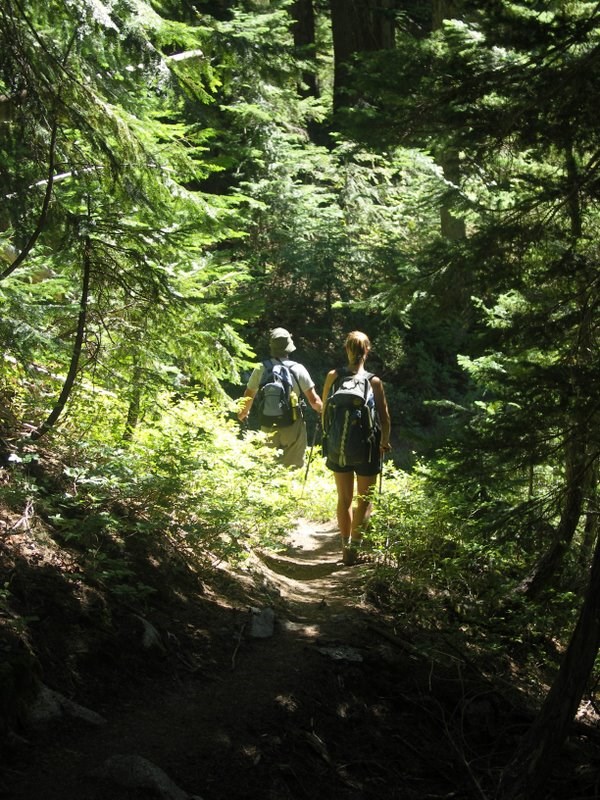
x: 309, y: 572
x: 319, y: 709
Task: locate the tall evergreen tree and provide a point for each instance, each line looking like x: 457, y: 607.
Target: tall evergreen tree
x: 102, y: 152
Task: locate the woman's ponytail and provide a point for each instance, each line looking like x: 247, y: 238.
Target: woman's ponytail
x: 357, y: 346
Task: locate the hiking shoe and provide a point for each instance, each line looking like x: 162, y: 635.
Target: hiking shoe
x: 349, y: 556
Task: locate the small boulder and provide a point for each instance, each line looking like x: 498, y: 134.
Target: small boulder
x: 136, y: 772
x: 49, y: 706
x: 262, y: 623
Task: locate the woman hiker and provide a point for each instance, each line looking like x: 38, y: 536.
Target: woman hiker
x: 352, y: 521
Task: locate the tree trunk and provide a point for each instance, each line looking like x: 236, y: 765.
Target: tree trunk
x: 590, y: 530
x: 451, y: 226
x: 133, y: 412
x: 444, y: 9
x: 526, y: 775
x: 578, y: 477
x: 303, y: 29
x: 358, y: 26
x: 580, y: 468
x: 77, y: 347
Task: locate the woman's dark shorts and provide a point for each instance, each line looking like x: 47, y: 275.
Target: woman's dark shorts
x: 364, y: 470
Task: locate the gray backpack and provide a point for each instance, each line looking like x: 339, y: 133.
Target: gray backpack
x: 277, y: 399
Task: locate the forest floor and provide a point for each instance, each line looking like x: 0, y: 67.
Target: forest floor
x: 277, y: 681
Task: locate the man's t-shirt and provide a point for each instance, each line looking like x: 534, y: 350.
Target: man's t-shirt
x: 300, y: 376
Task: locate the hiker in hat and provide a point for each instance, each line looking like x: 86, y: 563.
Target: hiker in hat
x: 353, y: 448
x: 287, y: 433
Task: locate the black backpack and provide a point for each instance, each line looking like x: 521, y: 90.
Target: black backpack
x: 277, y: 400
x: 351, y: 423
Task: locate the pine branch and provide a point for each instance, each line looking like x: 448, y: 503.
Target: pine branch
x: 44, y: 212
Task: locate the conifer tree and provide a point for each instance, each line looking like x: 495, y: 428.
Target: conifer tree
x: 102, y: 157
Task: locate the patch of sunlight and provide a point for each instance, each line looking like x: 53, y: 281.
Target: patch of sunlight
x: 310, y: 631
x: 287, y: 701
x: 252, y: 752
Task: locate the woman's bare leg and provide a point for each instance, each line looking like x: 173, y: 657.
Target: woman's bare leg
x: 364, y: 506
x: 344, y: 482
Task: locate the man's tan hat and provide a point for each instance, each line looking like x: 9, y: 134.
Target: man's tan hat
x: 281, y: 341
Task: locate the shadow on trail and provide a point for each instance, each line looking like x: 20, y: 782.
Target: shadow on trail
x: 325, y: 707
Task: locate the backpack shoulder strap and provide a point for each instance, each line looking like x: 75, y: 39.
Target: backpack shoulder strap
x: 287, y: 362
x: 339, y: 374
x: 345, y: 372
x: 368, y: 376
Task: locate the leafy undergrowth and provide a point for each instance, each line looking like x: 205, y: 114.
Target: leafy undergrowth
x: 377, y: 681
x: 415, y: 717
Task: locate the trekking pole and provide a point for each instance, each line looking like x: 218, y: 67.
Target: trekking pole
x: 310, y: 454
x: 381, y: 473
